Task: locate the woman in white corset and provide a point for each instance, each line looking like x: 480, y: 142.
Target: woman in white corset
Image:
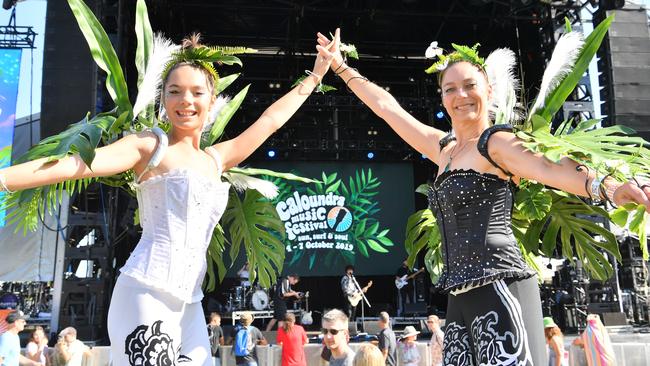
x: 155, y: 316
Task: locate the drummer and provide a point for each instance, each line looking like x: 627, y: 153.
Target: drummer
x: 283, y: 294
x: 244, y: 276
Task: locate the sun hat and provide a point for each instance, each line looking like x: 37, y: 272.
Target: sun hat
x: 549, y: 323
x: 409, y: 331
x: 246, y: 318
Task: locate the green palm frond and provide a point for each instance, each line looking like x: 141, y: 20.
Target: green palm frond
x: 422, y: 233
x: 634, y: 217
x: 253, y: 223
x: 230, y: 50
x: 224, y: 82
x: 216, y: 248
x: 144, y: 35
x: 556, y: 98
x: 225, y: 115
x: 103, y: 53
x: 593, y: 147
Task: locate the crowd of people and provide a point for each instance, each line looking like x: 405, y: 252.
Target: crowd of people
x: 292, y: 337
x: 68, y: 350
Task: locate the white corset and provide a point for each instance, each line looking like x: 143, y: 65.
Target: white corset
x: 178, y: 212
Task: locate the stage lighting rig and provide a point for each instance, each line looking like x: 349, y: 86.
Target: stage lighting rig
x: 13, y: 36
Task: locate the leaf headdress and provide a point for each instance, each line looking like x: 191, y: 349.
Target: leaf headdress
x: 461, y: 53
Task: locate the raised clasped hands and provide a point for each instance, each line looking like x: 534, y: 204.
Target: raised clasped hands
x: 334, y: 48
x: 323, y: 59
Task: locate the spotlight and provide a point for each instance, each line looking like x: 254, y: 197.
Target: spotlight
x: 440, y: 115
x: 424, y: 157
x: 271, y: 85
x: 271, y: 153
x: 370, y: 155
x: 277, y: 85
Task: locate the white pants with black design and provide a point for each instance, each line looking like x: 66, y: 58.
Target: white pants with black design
x: 496, y: 324
x: 149, y: 327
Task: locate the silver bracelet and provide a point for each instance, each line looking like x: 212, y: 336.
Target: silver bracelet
x: 318, y: 78
x: 3, y: 184
x: 594, y: 189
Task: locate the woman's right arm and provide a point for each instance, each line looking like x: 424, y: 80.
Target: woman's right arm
x: 115, y: 158
x: 421, y: 137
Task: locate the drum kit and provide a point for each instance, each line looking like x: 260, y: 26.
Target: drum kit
x: 248, y: 297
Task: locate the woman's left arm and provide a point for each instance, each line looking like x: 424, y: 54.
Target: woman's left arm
x: 234, y: 151
x: 508, y: 151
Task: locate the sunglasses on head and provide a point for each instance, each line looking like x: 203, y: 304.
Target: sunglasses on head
x: 331, y: 331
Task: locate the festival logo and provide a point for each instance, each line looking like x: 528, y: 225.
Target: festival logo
x: 331, y: 221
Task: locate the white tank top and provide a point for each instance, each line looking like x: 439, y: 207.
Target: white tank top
x: 178, y: 212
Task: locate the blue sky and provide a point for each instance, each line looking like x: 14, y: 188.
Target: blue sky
x: 29, y: 13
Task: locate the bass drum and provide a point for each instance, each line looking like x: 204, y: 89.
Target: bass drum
x: 260, y: 300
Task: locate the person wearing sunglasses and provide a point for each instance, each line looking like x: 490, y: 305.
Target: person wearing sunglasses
x: 336, y: 338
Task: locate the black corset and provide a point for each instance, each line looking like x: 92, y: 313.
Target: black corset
x: 474, y: 212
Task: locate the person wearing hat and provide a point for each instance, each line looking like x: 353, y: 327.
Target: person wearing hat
x: 253, y: 337
x: 555, y: 341
x: 408, y: 347
x: 69, y: 351
x: 10, y: 343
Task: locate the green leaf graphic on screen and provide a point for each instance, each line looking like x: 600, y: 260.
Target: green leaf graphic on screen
x: 335, y: 217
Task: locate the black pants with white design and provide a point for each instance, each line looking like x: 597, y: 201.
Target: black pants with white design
x: 496, y: 324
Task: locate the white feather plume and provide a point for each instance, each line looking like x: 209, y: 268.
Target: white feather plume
x: 242, y: 182
x: 501, y: 67
x: 214, y: 112
x: 149, y: 89
x: 564, y: 56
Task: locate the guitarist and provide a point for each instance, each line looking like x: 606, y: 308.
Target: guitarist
x: 282, y: 296
x: 352, y: 292
x: 404, y: 294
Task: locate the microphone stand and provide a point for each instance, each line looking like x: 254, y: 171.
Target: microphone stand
x: 365, y: 299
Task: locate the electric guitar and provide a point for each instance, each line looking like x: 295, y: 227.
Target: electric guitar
x: 357, y: 296
x: 404, y: 280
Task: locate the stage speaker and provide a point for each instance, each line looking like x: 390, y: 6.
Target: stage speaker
x: 612, y: 319
x: 69, y: 72
x: 623, y: 60
x: 415, y: 309
x: 270, y: 336
x: 371, y: 327
x: 352, y: 328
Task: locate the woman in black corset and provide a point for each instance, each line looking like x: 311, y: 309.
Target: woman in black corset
x: 494, y: 311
